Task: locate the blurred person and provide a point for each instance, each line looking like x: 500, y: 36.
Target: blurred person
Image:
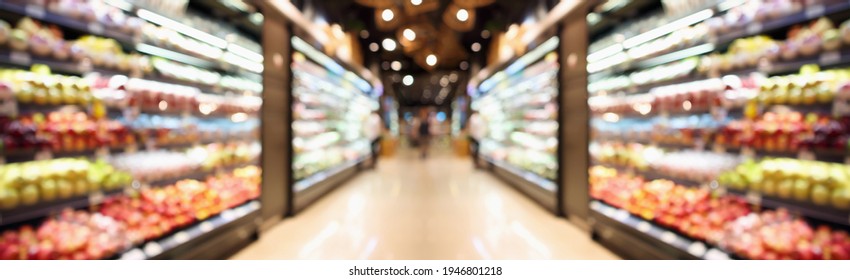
x: 424, y: 126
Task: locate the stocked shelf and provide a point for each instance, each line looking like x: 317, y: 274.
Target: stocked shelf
x: 95, y: 28
x: 44, y: 209
x: 163, y: 248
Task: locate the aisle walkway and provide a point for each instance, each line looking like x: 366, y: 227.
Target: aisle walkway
x: 440, y: 208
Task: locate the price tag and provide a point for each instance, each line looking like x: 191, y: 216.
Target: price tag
x: 35, y: 11
x: 21, y: 58
x: 814, y: 11
x: 206, y: 227
x: 716, y: 255
x: 43, y: 155
x: 805, y: 155
x: 830, y: 58
x: 668, y: 237
x: 134, y: 255
x: 181, y: 237
x: 102, y: 153
x: 96, y: 198
x: 644, y: 226
x: 152, y: 249
x: 95, y: 28
x: 753, y: 198
x: 754, y: 28
x: 748, y: 152
x: 697, y: 249
x: 621, y: 215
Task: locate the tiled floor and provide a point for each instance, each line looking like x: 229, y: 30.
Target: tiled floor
x: 439, y: 208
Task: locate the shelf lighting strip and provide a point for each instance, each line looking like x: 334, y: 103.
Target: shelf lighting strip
x: 302, y: 46
x: 658, y: 32
x: 520, y: 64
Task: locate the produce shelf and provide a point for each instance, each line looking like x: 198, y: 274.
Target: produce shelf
x: 804, y: 209
x: 40, y: 13
x: 200, y: 174
x: 183, y: 244
x: 320, y: 176
x: 809, y: 12
x: 612, y: 226
x: 24, y: 155
x: 40, y: 210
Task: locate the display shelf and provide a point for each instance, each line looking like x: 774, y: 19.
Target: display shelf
x: 320, y: 176
x: 24, y: 155
x: 534, y: 186
x: 40, y: 13
x: 25, y: 60
x: 648, y: 240
x: 809, y: 12
x: 199, y: 174
x: 177, y: 244
x: 32, y: 212
x: 804, y: 209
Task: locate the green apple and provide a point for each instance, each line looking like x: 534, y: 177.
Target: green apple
x: 64, y: 188
x: 769, y: 187
x: 48, y: 190
x: 81, y: 187
x: 801, y: 189
x: 29, y: 195
x: 841, y: 198
x: 820, y: 194
x: 785, y: 189
x: 8, y: 198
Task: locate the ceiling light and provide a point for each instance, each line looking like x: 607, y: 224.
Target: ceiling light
x: 388, y: 44
x: 416, y: 2
x: 374, y: 47
x: 407, y: 80
x: 462, y: 15
x: 485, y: 34
x: 364, y: 34
x: 476, y: 47
x: 387, y: 15
x: 464, y: 65
x: 396, y: 65
x: 409, y: 34
x: 431, y: 60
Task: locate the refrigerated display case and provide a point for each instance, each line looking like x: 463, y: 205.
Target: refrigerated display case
x: 516, y: 131
x: 121, y: 145
x: 718, y: 131
x: 333, y: 128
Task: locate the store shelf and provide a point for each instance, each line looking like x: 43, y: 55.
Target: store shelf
x: 612, y: 226
x: 182, y: 243
x: 199, y: 174
x: 321, y: 176
x: 24, y: 155
x: 25, y: 60
x: 536, y: 187
x: 804, y: 209
x: 40, y: 13
x: 810, y: 12
x: 32, y: 212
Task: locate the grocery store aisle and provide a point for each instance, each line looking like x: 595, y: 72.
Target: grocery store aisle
x: 440, y: 208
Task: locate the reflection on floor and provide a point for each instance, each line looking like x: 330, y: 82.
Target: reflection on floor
x: 439, y: 208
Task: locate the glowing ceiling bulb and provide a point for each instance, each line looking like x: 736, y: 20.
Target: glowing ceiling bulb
x: 416, y: 2
x: 409, y: 34
x: 431, y: 60
x: 388, y: 44
x: 462, y: 15
x: 387, y: 15
x: 476, y: 47
x: 396, y: 65
x: 407, y: 80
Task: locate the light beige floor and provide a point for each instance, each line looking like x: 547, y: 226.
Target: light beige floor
x: 439, y: 208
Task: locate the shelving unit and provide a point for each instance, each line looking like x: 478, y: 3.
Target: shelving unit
x: 518, y: 136
x: 331, y: 132
x: 635, y: 237
x: 236, y: 89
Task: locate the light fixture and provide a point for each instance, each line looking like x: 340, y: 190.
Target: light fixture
x: 464, y: 65
x: 485, y: 34
x: 374, y: 47
x: 407, y: 80
x: 416, y: 2
x: 396, y: 65
x: 388, y: 44
x: 462, y: 15
x: 668, y: 28
x: 387, y: 15
x: 476, y: 47
x: 409, y: 34
x: 431, y: 60
x: 182, y: 28
x: 364, y: 34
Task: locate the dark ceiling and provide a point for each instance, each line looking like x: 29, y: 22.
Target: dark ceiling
x: 355, y: 18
